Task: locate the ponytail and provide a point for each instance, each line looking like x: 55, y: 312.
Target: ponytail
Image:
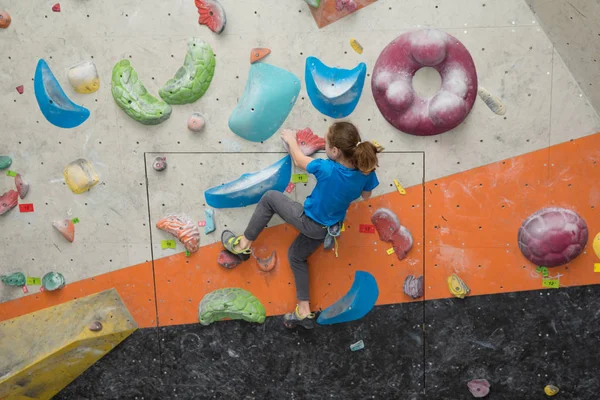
x: 363, y: 155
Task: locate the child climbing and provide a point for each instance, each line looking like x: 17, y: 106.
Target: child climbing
x: 347, y: 174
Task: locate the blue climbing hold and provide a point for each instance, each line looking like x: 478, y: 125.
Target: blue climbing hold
x: 270, y: 94
x: 210, y: 221
x: 334, y: 91
x: 359, y: 300
x: 58, y: 109
x: 249, y: 188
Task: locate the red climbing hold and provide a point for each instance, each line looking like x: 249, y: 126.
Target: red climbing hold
x: 266, y: 264
x: 308, y: 142
x: 56, y: 7
x: 20, y: 89
x: 258, y: 53
x: 390, y: 230
x: 212, y: 15
x: 228, y: 260
x: 8, y: 201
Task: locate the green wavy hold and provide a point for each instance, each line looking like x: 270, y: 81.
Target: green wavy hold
x: 133, y: 98
x: 16, y: 279
x: 232, y: 303
x: 193, y: 79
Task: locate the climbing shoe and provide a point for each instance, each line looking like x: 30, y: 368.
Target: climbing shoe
x: 292, y: 320
x: 229, y: 241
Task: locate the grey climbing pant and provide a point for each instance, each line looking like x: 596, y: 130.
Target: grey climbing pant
x: 312, y: 234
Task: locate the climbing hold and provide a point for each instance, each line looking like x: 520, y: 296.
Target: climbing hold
x: 56, y: 7
x: 350, y: 5
x: 210, y: 221
x: 22, y: 186
x: 399, y: 187
x: 4, y: 20
x: 359, y: 300
x: 413, y: 286
x: 552, y: 236
x: 595, y: 244
x: 212, y: 15
x: 84, y: 78
x: 356, y: 46
x: 196, y: 122
x: 334, y: 92
x: 265, y: 264
x: 228, y: 260
x: 159, y: 163
x: 551, y: 390
x: 313, y: 3
x: 308, y: 142
x: 58, y: 109
x: 492, y: 102
x: 392, y: 82
x: 66, y: 228
x: 80, y: 176
x: 457, y: 287
x: 232, y: 303
x: 95, y: 326
x: 191, y: 80
x: 390, y: 230
x: 5, y: 162
x: 8, y: 201
x: 479, y: 387
x: 268, y: 98
x: 16, y: 279
x: 53, y: 281
x: 133, y: 98
x: 357, y: 346
x: 20, y: 89
x: 258, y: 53
x: 183, y: 229
x: 249, y: 188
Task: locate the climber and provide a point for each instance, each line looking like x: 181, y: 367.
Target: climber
x: 348, y: 174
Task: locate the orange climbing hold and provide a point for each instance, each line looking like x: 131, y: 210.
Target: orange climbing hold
x: 4, y: 20
x: 212, y: 15
x: 66, y: 228
x: 183, y: 229
x: 258, y: 53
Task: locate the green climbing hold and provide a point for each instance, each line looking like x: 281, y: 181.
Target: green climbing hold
x: 16, y: 279
x: 53, y: 281
x: 133, y: 98
x: 5, y: 162
x: 193, y: 79
x: 232, y: 303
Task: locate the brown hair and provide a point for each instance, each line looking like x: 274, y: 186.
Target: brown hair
x: 345, y: 137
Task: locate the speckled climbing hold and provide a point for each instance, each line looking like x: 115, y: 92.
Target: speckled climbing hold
x: 212, y: 15
x: 159, y: 163
x: 66, y: 228
x: 183, y: 229
x: 22, y: 186
x: 53, y: 281
x: 479, y: 387
x: 95, y: 326
x: 56, y: 7
x: 83, y: 77
x: 552, y: 236
x: 4, y: 19
x: 133, y: 98
x: 54, y: 104
x: 349, y: 5
x: 5, y: 162
x: 413, y: 286
x: 258, y: 53
x: 308, y: 142
x: 8, y: 201
x: 16, y: 279
x: 228, y: 260
x: 457, y: 286
x: 491, y: 101
x: 210, y: 221
x: 80, y: 176
x: 551, y: 390
x: 20, y: 89
x: 232, y: 303
x: 196, y: 122
x: 313, y: 3
x: 390, y: 230
x: 193, y: 79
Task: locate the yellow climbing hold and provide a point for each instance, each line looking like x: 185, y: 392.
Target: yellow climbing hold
x: 457, y: 287
x: 84, y: 77
x: 596, y: 245
x: 551, y: 390
x: 401, y: 190
x: 356, y: 46
x: 80, y: 176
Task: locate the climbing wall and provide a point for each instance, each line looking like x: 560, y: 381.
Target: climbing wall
x: 467, y: 193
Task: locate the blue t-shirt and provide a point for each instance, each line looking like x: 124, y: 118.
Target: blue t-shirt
x: 337, y: 186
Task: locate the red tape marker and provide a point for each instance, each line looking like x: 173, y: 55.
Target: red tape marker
x: 25, y: 289
x: 26, y: 207
x: 290, y: 187
x: 365, y: 228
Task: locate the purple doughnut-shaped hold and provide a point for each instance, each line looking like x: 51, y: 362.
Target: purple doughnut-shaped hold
x: 393, y: 90
x: 553, y: 236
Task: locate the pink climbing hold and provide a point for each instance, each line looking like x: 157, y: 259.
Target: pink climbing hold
x: 8, y: 201
x: 350, y: 5
x: 56, y: 7
x: 20, y: 89
x: 22, y: 186
x: 308, y: 142
x: 479, y: 387
x: 390, y: 230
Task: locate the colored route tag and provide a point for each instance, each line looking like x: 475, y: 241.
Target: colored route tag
x: 401, y: 190
x: 596, y: 267
x: 187, y: 253
x: 365, y: 228
x: 343, y: 228
x: 550, y: 283
x: 201, y: 223
x: 168, y: 244
x: 299, y: 178
x: 26, y: 207
x: 390, y: 251
x: 34, y: 281
x: 25, y: 290
x: 290, y: 187
x: 75, y: 220
x: 11, y: 173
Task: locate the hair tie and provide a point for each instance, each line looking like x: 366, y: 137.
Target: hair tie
x: 359, y: 142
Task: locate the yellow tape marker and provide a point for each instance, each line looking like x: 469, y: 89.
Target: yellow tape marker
x: 356, y: 46
x: 168, y: 244
x: 550, y: 283
x: 401, y: 190
x: 390, y: 251
x: 297, y: 178
x: 596, y: 267
x: 34, y: 281
x: 343, y: 228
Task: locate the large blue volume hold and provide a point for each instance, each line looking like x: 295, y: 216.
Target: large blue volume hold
x: 249, y: 188
x: 58, y: 109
